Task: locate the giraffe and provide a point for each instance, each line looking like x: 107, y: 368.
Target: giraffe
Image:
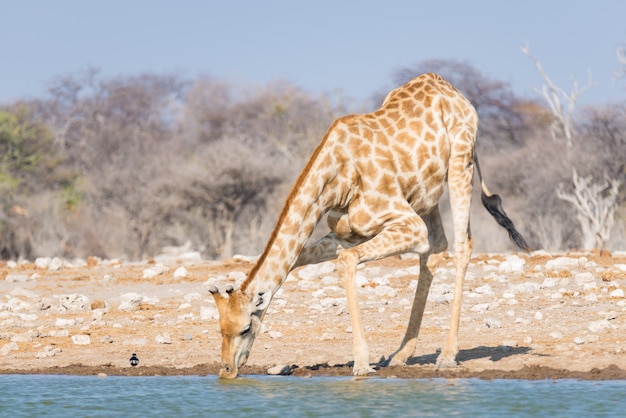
x: 379, y: 177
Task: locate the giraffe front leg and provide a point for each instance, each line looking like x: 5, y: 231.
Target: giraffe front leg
x: 346, y: 267
x: 406, y: 232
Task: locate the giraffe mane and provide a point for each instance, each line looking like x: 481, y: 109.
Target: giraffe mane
x: 292, y: 195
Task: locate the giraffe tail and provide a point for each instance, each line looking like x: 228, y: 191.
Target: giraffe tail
x: 493, y: 204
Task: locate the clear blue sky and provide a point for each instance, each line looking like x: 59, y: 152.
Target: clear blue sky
x: 319, y: 45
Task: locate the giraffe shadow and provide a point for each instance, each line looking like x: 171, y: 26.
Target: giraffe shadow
x: 492, y: 353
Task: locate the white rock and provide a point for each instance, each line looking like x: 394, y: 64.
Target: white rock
x: 130, y: 301
x: 163, y: 338
x: 562, y: 263
x: 207, y: 313
x: 579, y: 340
x: 181, y: 272
x: 81, y: 339
x: 7, y: 348
x: 64, y: 322
x: 279, y: 370
x: 547, y: 283
x: 190, y: 297
x: 617, y: 293
x: 480, y: 308
x: 55, y: 264
x: 385, y: 291
x: 493, y: 323
x: 154, y: 271
x: 556, y: 335
x: 584, y: 277
x: 11, y: 264
x: 538, y: 316
x: 597, y: 326
x: 621, y: 267
x: 361, y: 280
x: 42, y: 262
x: 526, y: 287
x: 314, y: 271
x: 74, y: 302
x: 513, y: 264
x: 184, y: 306
x: 17, y: 278
x: 48, y: 351
x: 27, y: 317
x: 484, y: 290
x: 275, y: 334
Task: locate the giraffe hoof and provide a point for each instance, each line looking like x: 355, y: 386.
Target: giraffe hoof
x: 445, y: 363
x: 363, y: 371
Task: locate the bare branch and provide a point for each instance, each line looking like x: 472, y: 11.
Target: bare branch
x: 595, y: 205
x: 562, y: 104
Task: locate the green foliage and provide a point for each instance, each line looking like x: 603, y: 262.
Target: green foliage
x: 26, y: 153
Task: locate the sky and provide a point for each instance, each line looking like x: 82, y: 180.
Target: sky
x: 350, y: 48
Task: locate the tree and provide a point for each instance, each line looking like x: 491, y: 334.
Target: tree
x: 595, y: 203
x: 32, y: 181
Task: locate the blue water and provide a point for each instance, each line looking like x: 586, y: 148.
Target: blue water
x: 86, y: 396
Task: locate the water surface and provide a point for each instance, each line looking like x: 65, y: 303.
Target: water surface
x: 266, y: 396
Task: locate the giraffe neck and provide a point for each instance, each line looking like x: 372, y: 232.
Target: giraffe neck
x: 304, y: 207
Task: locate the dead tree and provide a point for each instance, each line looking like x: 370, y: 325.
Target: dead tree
x: 562, y: 104
x: 595, y: 205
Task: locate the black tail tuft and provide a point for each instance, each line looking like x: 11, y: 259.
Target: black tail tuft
x: 493, y: 204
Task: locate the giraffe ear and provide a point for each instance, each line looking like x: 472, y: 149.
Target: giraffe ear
x: 262, y: 300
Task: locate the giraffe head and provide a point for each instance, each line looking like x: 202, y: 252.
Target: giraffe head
x: 240, y: 314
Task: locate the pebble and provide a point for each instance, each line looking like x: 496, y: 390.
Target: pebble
x: 81, y: 339
x: 154, y: 271
x: 17, y: 278
x: 181, y: 272
x: 163, y: 338
x: 279, y: 370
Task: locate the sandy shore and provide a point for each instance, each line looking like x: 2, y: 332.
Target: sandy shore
x: 524, y: 316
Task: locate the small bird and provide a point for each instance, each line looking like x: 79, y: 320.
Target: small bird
x: 134, y: 360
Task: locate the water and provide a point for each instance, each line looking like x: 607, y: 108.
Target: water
x: 87, y: 396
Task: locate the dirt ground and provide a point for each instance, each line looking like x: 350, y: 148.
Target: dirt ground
x: 555, y: 316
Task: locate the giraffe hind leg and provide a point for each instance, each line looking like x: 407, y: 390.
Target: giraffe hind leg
x: 428, y: 263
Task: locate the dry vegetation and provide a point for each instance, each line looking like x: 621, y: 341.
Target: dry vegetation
x: 122, y: 167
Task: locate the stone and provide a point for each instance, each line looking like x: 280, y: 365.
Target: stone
x: 64, y: 322
x: 617, y: 293
x: 7, y: 348
x: 480, y: 308
x: 48, y: 351
x: 513, y: 264
x: 560, y: 263
x: 163, y: 338
x: 81, y: 339
x: 55, y: 264
x: 74, y: 302
x: 208, y: 313
x: 190, y: 297
x: 17, y: 278
x: 154, y: 271
x: 279, y: 370
x: 42, y: 262
x: 181, y: 272
x: 275, y: 334
x: 385, y: 291
x: 130, y: 301
x: 97, y: 304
